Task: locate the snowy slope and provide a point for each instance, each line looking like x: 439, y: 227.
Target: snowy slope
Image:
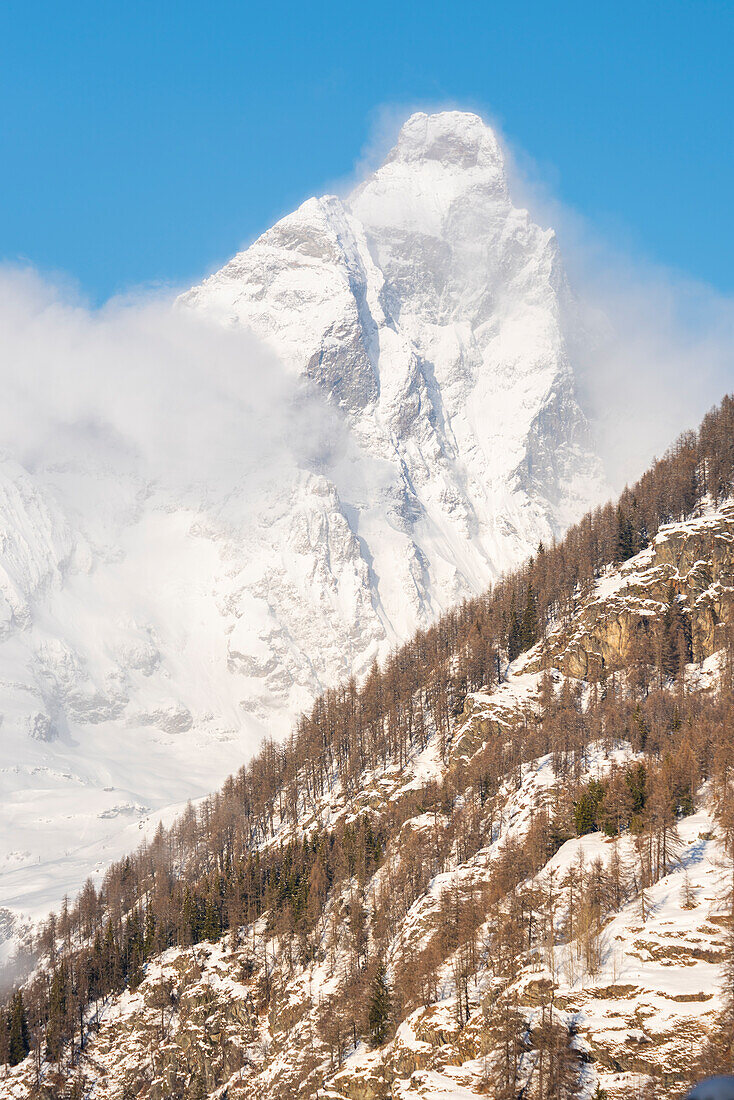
x: 149, y: 638
x: 651, y: 1000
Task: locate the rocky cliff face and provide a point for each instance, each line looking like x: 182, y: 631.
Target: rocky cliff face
x: 149, y: 638
x: 691, y: 562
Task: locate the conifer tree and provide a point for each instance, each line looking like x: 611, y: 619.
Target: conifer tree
x: 625, y: 538
x: 56, y: 1015
x: 380, y: 1006
x: 676, y: 647
x: 19, y: 1044
x: 150, y: 930
x: 587, y: 806
x: 514, y: 633
x: 529, y: 626
x: 211, y: 927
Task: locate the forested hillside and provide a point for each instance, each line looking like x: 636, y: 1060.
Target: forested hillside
x: 503, y: 864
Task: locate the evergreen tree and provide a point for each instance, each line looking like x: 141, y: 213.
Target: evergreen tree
x: 514, y: 633
x: 56, y: 1015
x: 150, y: 930
x: 586, y: 810
x: 19, y: 1044
x: 643, y: 730
x: 676, y: 647
x: 522, y: 628
x: 625, y: 538
x: 528, y: 626
x: 380, y: 1007
x: 189, y: 918
x: 211, y: 927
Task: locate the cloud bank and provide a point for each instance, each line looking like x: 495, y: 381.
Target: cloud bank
x: 149, y: 390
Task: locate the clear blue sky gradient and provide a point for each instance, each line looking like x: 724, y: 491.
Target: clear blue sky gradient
x: 146, y: 141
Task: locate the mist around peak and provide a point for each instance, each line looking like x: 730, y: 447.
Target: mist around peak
x: 652, y: 348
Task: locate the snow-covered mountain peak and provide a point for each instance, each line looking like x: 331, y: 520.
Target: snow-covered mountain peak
x: 428, y: 312
x: 438, y: 161
x: 453, y: 138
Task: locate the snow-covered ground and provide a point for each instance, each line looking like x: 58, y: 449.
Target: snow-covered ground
x: 643, y: 1007
x: 653, y: 994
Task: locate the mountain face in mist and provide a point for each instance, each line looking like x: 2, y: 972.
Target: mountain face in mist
x: 430, y: 310
x: 147, y: 640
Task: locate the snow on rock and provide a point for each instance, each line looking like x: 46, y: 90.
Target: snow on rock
x: 691, y: 561
x: 659, y: 984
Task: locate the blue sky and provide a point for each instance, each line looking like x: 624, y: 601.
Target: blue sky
x: 145, y: 142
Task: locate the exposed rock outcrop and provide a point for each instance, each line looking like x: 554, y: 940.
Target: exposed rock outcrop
x: 692, y: 562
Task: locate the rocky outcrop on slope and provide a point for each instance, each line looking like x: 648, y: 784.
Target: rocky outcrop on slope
x: 691, y: 562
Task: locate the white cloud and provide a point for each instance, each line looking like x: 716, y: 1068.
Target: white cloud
x: 148, y: 389
x: 162, y: 393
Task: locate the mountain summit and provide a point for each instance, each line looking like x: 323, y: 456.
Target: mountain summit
x: 431, y: 310
x: 170, y: 633
x: 455, y: 138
